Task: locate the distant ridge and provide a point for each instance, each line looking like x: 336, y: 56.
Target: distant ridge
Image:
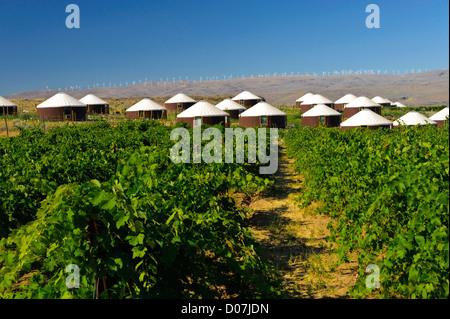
x: 412, y: 89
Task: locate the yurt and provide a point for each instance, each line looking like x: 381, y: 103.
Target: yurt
x: 203, y: 112
x: 301, y: 99
x: 231, y: 107
x: 441, y: 117
x: 62, y: 107
x: 413, y: 118
x: 263, y: 114
x: 382, y: 101
x: 366, y: 118
x: 343, y: 101
x: 321, y: 115
x: 314, y: 100
x: 7, y: 107
x: 179, y: 102
x: 95, y: 105
x: 146, y: 109
x: 359, y: 104
x: 247, y: 99
x: 398, y: 104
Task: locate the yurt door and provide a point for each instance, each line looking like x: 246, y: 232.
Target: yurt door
x: 67, y: 113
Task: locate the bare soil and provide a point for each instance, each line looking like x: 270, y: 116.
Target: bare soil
x: 294, y: 239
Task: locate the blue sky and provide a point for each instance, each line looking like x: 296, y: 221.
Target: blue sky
x: 123, y: 41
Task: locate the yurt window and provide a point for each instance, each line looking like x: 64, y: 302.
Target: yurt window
x: 141, y: 114
x: 180, y: 106
x: 197, y: 121
x: 241, y: 102
x: 322, y: 120
x: 263, y: 120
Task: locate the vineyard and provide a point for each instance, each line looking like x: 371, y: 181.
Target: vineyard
x: 109, y: 200
x: 105, y: 197
x: 387, y: 193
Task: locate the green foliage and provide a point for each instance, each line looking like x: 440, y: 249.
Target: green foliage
x: 387, y: 192
x: 151, y: 228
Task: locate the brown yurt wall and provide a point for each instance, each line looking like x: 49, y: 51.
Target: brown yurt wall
x: 247, y: 103
x: 51, y: 113
x: 156, y: 115
x: 10, y: 110
x: 173, y: 107
x: 369, y: 127
x: 278, y: 121
x: 329, y: 121
x: 209, y: 120
x: 98, y: 109
x: 339, y: 106
x: 250, y: 121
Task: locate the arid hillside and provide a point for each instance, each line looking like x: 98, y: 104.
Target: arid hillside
x: 426, y: 88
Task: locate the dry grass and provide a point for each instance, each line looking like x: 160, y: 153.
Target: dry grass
x: 294, y: 240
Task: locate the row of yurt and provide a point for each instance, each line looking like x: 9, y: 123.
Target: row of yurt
x: 63, y: 107
x: 181, y: 102
x: 231, y: 107
x: 314, y: 100
x: 261, y: 114
x: 359, y: 104
x: 7, y: 107
x: 309, y: 100
x: 322, y: 115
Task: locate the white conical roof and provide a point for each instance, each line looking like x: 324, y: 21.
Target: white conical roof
x: 228, y: 104
x: 366, y: 117
x: 317, y: 99
x: 202, y: 108
x: 146, y: 105
x: 441, y: 115
x: 346, y: 99
x: 379, y: 100
x: 5, y: 102
x: 398, y: 104
x: 321, y: 110
x: 92, y: 99
x: 414, y: 118
x: 361, y: 101
x: 304, y: 97
x: 261, y: 109
x: 61, y: 99
x: 246, y: 95
x: 180, y: 98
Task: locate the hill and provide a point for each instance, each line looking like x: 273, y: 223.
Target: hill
x: 426, y: 88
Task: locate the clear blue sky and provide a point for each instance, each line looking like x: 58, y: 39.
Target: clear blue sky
x: 130, y: 40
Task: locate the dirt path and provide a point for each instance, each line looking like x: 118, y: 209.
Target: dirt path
x: 294, y: 239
